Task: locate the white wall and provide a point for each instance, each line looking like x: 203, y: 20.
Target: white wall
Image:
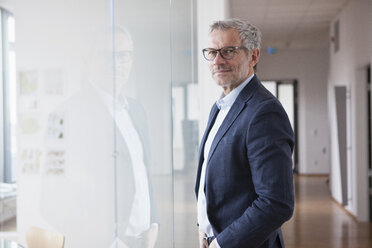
x: 348, y: 68
x: 309, y: 67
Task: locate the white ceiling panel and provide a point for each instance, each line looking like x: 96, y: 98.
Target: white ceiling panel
x: 290, y: 24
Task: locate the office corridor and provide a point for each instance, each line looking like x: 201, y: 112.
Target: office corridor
x: 320, y: 222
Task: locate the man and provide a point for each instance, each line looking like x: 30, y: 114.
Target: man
x: 244, y: 182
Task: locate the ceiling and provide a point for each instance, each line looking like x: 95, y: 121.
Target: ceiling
x: 290, y: 24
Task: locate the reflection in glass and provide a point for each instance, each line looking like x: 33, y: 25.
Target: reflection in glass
x: 96, y: 120
x: 106, y: 145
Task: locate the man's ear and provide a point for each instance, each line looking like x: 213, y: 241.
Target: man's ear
x: 255, y: 56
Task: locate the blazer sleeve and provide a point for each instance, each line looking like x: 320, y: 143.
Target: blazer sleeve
x: 269, y: 143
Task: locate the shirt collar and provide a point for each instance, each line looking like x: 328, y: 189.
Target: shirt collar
x: 228, y: 100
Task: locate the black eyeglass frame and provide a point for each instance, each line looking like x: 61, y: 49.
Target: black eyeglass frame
x: 219, y: 51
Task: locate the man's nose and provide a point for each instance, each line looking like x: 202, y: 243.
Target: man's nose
x: 218, y: 59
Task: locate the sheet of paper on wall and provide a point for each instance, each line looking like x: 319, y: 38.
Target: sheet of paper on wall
x: 54, y: 82
x: 30, y: 160
x: 28, y: 104
x: 28, y: 83
x: 55, y: 162
x: 30, y: 125
x: 56, y: 126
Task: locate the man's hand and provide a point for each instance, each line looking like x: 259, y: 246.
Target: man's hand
x: 202, y: 241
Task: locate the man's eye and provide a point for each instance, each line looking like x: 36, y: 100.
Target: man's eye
x: 212, y: 52
x: 228, y: 51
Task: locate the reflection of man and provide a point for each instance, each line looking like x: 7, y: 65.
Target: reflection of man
x: 244, y: 182
x: 140, y: 229
x: 107, y: 157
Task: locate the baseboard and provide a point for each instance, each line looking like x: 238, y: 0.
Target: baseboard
x: 312, y: 175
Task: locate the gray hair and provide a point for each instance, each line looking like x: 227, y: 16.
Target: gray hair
x: 249, y: 34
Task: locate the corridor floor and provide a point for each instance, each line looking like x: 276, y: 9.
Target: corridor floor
x: 320, y: 222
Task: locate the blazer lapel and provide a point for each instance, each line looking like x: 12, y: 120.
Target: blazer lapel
x: 229, y: 119
x: 212, y: 118
x: 239, y: 104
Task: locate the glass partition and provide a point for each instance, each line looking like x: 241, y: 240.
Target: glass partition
x: 148, y: 91
x: 185, y: 109
x: 94, y: 85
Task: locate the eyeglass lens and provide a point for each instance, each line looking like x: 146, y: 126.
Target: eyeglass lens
x: 226, y: 53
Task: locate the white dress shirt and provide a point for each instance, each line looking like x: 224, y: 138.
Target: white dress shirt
x: 139, y: 220
x: 224, y: 104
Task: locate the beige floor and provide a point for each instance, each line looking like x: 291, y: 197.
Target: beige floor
x: 320, y: 222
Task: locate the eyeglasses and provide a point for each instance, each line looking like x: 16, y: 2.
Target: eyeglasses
x: 225, y: 52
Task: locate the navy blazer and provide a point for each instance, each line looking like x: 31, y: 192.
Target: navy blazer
x: 249, y: 180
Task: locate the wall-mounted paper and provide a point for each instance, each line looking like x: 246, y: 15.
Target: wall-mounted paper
x: 27, y: 104
x: 54, y: 82
x: 30, y: 160
x: 30, y: 125
x: 28, y: 83
x: 56, y: 126
x: 55, y: 162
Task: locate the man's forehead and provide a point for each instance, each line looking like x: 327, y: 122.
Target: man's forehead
x: 224, y: 37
